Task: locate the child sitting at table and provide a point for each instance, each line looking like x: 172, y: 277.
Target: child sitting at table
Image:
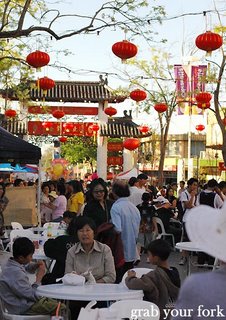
x: 161, y: 285
x: 16, y: 292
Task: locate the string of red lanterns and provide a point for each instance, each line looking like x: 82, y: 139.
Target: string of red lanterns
x: 110, y: 111
x: 203, y: 100
x: 131, y: 143
x: 38, y: 59
x: 209, y: 41
x: 45, y: 83
x: 144, y: 129
x: 58, y: 114
x: 138, y: 95
x: 10, y: 113
x: 124, y: 50
x: 200, y: 127
x: 161, y: 107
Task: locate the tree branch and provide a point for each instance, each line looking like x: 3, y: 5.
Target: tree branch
x: 23, y: 14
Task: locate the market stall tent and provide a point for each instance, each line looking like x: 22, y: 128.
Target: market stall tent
x: 16, y: 150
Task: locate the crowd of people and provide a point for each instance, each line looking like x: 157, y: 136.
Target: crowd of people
x: 130, y: 209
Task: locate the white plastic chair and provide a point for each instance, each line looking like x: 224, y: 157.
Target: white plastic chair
x: 139, y: 273
x: 19, y: 233
x: 136, y: 309
x: 16, y: 226
x: 163, y: 233
x: 8, y: 316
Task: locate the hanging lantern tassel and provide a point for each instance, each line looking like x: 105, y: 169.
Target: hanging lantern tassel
x: 95, y: 128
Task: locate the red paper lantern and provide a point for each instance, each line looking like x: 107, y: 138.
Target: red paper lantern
x: 110, y: 111
x: 45, y: 83
x: 144, y: 129
x: 38, y: 59
x: 203, y: 100
x: 138, y: 95
x: 200, y: 127
x: 46, y: 125
x: 161, y: 107
x: 95, y: 127
x: 131, y: 144
x: 209, y: 41
x: 58, y: 114
x: 63, y: 139
x: 124, y: 49
x: 10, y: 113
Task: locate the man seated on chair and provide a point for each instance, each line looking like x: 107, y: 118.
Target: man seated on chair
x: 164, y: 212
x: 16, y: 292
x: 161, y: 285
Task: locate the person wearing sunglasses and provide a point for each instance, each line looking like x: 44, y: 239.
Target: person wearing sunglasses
x: 98, y: 205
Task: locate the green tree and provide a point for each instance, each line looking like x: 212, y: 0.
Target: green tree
x: 159, y: 73
x: 80, y: 149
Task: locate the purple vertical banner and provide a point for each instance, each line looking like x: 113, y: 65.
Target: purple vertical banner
x: 182, y: 87
x: 198, y: 81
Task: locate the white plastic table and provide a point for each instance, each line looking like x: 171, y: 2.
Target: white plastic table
x: 191, y: 247
x: 98, y: 292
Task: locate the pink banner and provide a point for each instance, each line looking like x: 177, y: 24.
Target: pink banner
x: 182, y: 82
x: 198, y: 79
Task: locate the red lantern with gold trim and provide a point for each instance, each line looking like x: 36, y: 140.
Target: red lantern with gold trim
x: 58, y: 114
x: 200, y: 127
x: 63, y: 139
x: 95, y: 127
x: 161, y: 107
x: 38, y: 59
x: 138, y: 95
x: 203, y: 100
x: 131, y: 144
x: 124, y: 49
x: 144, y: 129
x: 110, y: 111
x: 10, y: 113
x: 209, y: 41
x: 45, y: 83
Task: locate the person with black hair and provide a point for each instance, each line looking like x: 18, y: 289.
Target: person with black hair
x: 211, y: 196
x: 188, y: 201
x: 142, y: 179
x: 126, y: 218
x: 135, y: 192
x: 89, y: 254
x: 57, y: 249
x: 16, y: 292
x: 98, y: 205
x: 148, y: 226
x: 222, y: 187
x: 76, y: 198
x: 161, y: 285
x: 67, y: 217
x: 91, y: 257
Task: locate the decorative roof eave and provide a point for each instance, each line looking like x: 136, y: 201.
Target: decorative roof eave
x: 119, y: 130
x: 70, y: 91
